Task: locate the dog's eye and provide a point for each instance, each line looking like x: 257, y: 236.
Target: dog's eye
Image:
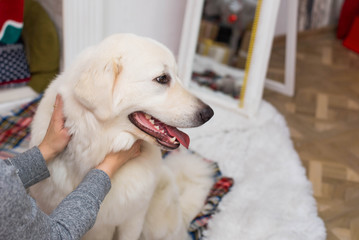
x: 163, y: 79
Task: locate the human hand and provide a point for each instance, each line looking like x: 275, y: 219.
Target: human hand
x: 57, y: 136
x: 113, y: 161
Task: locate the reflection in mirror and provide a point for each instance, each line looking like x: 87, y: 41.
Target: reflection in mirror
x: 228, y: 57
x: 223, y: 43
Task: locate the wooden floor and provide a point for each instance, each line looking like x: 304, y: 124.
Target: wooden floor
x: 323, y: 118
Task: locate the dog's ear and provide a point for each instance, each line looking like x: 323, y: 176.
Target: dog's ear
x: 94, y: 88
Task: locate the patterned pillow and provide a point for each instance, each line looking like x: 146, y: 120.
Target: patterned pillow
x: 14, y: 70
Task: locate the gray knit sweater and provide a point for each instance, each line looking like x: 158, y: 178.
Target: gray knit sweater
x: 20, y: 217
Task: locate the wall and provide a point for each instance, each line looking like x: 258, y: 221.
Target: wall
x: 86, y: 23
x: 158, y: 19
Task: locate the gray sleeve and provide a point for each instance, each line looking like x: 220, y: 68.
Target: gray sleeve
x: 30, y: 165
x: 77, y: 213
x: 20, y: 217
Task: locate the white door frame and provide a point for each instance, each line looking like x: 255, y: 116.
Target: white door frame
x: 288, y: 87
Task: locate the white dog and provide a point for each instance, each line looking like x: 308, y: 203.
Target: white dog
x: 124, y: 89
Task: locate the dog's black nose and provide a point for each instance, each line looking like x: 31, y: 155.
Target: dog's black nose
x: 206, y: 113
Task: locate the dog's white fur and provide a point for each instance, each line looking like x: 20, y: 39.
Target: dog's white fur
x: 150, y: 198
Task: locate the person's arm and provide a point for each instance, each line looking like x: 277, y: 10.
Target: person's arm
x: 76, y: 214
x: 20, y: 217
x: 30, y: 166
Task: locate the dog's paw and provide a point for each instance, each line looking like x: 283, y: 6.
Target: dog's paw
x: 123, y: 141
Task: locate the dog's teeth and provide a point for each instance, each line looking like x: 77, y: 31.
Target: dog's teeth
x: 157, y: 127
x: 152, y: 121
x: 162, y: 131
x: 173, y: 140
x: 148, y: 116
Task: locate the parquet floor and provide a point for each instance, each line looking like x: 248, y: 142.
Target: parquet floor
x: 323, y: 118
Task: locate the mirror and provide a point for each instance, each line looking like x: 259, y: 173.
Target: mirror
x: 223, y: 40
x: 225, y: 47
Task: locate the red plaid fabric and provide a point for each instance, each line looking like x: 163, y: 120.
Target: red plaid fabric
x: 219, y: 189
x: 15, y: 128
x: 200, y: 222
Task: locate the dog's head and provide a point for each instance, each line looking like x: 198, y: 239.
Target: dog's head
x: 133, y: 82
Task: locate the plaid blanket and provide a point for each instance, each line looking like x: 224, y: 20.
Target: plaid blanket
x: 15, y: 127
x: 15, y: 130
x: 200, y: 223
x: 219, y: 189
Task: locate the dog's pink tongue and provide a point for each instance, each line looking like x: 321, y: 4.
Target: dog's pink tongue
x: 181, y: 136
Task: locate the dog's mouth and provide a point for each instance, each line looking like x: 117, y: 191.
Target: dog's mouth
x: 167, y: 136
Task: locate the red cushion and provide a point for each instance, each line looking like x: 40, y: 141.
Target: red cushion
x: 11, y: 20
x: 11, y: 9
x: 352, y: 40
x: 350, y: 10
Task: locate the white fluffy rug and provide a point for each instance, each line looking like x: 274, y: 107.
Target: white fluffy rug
x: 271, y: 198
